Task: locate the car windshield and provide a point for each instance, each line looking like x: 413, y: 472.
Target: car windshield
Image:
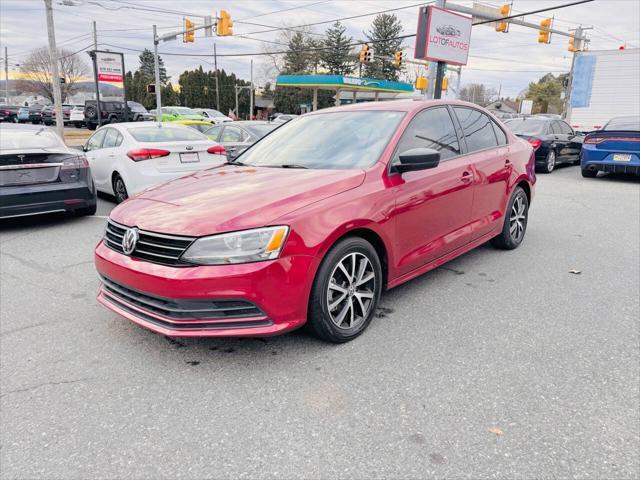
x: 527, y: 126
x: 136, y: 107
x: 152, y: 134
x: 183, y: 111
x: 214, y: 113
x: 11, y: 139
x: 200, y: 126
x: 260, y: 130
x: 337, y: 140
x: 623, y: 123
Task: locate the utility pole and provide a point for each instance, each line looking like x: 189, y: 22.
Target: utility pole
x: 157, y: 74
x: 237, y: 112
x: 251, y: 93
x: 95, y: 71
x: 6, y: 76
x: 215, y: 65
x: 55, y: 72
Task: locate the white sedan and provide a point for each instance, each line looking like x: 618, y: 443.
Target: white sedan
x: 127, y: 158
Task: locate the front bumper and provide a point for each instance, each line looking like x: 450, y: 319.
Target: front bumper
x: 18, y: 201
x: 253, y: 299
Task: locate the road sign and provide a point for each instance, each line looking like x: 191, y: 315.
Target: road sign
x: 109, y: 67
x: 526, y: 106
x: 443, y: 36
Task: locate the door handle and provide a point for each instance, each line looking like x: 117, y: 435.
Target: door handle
x: 507, y: 163
x: 466, y: 177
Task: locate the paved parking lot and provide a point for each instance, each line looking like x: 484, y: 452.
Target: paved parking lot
x: 499, y: 364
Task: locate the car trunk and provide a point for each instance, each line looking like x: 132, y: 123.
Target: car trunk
x: 30, y: 168
x: 184, y: 156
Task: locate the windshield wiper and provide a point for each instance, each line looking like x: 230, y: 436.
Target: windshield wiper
x: 292, y: 165
x: 235, y: 163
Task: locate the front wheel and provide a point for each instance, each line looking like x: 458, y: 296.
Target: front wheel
x: 515, y: 222
x: 346, y: 291
x: 119, y: 189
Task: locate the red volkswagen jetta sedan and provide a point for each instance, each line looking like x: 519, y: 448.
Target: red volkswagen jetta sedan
x: 314, y: 221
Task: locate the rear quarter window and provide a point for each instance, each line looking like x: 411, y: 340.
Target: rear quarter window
x: 477, y: 129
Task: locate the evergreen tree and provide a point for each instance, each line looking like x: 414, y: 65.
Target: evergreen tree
x: 147, y: 67
x: 335, y: 56
x: 297, y: 60
x: 384, y: 32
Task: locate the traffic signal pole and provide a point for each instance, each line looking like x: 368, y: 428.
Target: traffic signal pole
x: 156, y: 40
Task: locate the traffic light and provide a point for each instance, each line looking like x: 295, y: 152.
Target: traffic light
x: 445, y: 83
x: 543, y: 35
x: 398, y: 58
x: 505, y: 10
x: 224, y: 24
x: 365, y: 54
x: 151, y: 88
x: 572, y: 44
x: 422, y: 83
x: 189, y: 35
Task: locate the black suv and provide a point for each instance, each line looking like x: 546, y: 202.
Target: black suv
x: 114, y: 112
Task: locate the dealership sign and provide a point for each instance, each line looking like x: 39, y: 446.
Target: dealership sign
x: 443, y: 36
x: 109, y: 67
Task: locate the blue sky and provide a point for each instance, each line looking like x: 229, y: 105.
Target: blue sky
x: 507, y: 61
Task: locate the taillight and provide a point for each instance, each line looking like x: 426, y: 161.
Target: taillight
x: 147, y: 154
x: 217, y: 150
x: 535, y: 143
x: 593, y: 140
x: 70, y: 169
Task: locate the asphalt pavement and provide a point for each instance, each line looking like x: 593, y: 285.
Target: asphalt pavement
x: 496, y: 365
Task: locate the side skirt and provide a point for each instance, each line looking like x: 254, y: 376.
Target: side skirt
x: 441, y: 260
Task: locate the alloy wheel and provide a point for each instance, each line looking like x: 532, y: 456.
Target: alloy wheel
x: 551, y: 161
x: 120, y: 190
x: 351, y: 290
x: 518, y: 219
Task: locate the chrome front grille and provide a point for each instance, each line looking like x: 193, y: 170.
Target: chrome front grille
x: 151, y: 246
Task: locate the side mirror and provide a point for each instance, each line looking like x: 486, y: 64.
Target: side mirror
x: 418, y: 159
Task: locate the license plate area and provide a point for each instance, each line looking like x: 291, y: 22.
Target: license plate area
x: 189, y: 157
x: 621, y: 157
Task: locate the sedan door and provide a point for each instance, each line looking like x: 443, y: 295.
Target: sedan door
x: 108, y: 156
x: 571, y: 143
x: 488, y: 154
x: 433, y: 207
x: 94, y: 157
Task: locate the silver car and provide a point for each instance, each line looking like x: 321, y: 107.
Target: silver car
x: 237, y: 136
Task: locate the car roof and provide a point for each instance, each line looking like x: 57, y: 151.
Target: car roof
x: 191, y: 122
x: 410, y: 105
x: 24, y: 127
x: 248, y: 123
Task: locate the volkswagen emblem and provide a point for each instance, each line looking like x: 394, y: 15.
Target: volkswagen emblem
x: 130, y: 240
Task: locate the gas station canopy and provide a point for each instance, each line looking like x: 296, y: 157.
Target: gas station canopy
x: 340, y: 83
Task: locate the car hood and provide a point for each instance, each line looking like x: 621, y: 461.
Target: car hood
x: 229, y: 198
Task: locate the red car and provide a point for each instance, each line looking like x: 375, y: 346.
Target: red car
x: 315, y: 220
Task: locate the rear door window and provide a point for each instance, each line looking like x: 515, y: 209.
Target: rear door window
x: 431, y: 128
x: 214, y: 133
x: 232, y: 134
x: 112, y: 138
x: 96, y: 139
x: 477, y: 129
x: 565, y: 128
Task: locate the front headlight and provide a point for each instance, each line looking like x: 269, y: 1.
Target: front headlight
x: 238, y: 247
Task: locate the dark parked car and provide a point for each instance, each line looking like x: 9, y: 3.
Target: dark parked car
x: 554, y: 141
x: 40, y: 174
x: 237, y: 136
x: 9, y: 113
x: 111, y: 112
x: 137, y: 112
x: 615, y: 148
x: 35, y: 113
x: 49, y: 113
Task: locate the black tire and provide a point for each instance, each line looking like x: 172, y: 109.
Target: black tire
x: 91, y: 126
x: 15, y: 119
x: 119, y: 188
x: 508, y: 239
x: 91, y: 111
x: 78, y: 124
x: 586, y: 173
x: 549, y: 162
x: 349, y: 250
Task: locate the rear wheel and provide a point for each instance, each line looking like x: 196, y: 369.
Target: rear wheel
x: 586, y: 173
x: 78, y: 124
x: 515, y: 222
x: 91, y: 126
x: 119, y: 188
x: 549, y: 162
x: 346, y: 291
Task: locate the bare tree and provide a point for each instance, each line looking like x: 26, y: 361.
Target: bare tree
x: 36, y: 72
x: 478, y: 93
